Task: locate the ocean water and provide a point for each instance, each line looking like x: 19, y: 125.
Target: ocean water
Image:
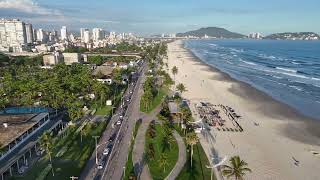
x: 289, y: 71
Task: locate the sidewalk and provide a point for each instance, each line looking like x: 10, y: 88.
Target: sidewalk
x: 181, y: 160
x: 141, y: 168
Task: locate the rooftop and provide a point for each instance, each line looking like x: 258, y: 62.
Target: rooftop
x: 105, y: 70
x: 17, y: 124
x: 173, y: 107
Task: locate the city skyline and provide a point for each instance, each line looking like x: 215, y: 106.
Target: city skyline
x: 152, y: 17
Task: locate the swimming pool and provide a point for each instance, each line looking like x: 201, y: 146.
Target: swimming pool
x: 24, y: 110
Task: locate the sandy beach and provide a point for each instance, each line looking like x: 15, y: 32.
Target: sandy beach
x: 275, y: 136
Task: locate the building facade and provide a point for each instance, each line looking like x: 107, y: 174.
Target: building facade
x: 70, y: 58
x: 12, y: 33
x: 64, y: 33
x: 97, y: 34
x: 29, y: 33
x: 86, y: 36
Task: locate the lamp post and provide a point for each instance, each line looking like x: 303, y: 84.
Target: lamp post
x: 96, y: 137
x: 212, y: 166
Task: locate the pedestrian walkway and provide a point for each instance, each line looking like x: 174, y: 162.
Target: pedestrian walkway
x: 181, y: 160
x: 141, y: 168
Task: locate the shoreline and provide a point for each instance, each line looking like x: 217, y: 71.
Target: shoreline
x: 274, y: 133
x: 246, y: 90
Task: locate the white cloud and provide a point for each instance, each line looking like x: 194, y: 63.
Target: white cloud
x: 28, y: 6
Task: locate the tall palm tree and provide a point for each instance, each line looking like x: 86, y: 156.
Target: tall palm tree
x: 163, y: 161
x: 174, y: 71
x: 82, y: 133
x: 191, y: 139
x: 237, y: 169
x: 46, y: 143
x: 181, y: 88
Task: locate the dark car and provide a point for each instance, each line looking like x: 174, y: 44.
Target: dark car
x: 112, y: 137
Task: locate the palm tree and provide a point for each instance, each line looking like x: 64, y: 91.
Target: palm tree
x: 174, y: 72
x: 192, y: 139
x: 163, y: 161
x: 46, y: 143
x: 237, y: 169
x: 82, y: 133
x: 167, y: 139
x: 181, y: 88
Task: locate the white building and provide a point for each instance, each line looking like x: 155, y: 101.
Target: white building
x: 70, y: 58
x: 29, y: 33
x: 72, y: 38
x: 82, y: 34
x: 86, y: 36
x: 97, y: 34
x: 255, y: 35
x: 52, y: 59
x: 40, y: 35
x: 12, y: 33
x: 64, y: 33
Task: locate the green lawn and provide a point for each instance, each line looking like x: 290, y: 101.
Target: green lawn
x: 155, y: 102
x: 69, y: 154
x: 103, y: 110
x: 172, y: 154
x: 129, y: 165
x: 199, y: 163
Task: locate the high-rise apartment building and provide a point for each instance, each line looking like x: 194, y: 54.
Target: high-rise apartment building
x: 12, y: 33
x: 82, y: 34
x: 86, y: 36
x: 64, y: 33
x: 29, y: 33
x: 97, y: 34
x: 41, y: 36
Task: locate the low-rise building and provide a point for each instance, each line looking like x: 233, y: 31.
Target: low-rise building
x: 70, y: 58
x: 52, y: 59
x: 20, y: 130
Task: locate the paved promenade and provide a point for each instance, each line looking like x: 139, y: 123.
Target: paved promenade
x: 181, y: 160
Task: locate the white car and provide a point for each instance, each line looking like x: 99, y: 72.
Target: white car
x: 130, y: 92
x: 106, y: 151
x: 118, y: 122
x: 100, y: 166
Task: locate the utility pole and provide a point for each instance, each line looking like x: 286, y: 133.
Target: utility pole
x: 96, y: 139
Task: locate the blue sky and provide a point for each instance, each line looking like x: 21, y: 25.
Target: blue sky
x: 168, y: 16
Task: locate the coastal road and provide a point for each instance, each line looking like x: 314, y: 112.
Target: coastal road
x: 115, y: 167
x: 111, y: 134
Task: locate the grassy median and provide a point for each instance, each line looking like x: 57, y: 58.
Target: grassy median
x: 129, y: 171
x: 155, y: 102
x: 157, y: 171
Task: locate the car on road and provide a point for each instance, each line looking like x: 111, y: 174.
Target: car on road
x: 118, y: 122
x: 102, y: 163
x: 106, y: 151
x: 112, y: 137
x: 100, y: 166
x: 130, y: 92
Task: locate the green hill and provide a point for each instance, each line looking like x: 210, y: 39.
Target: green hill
x: 211, y: 32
